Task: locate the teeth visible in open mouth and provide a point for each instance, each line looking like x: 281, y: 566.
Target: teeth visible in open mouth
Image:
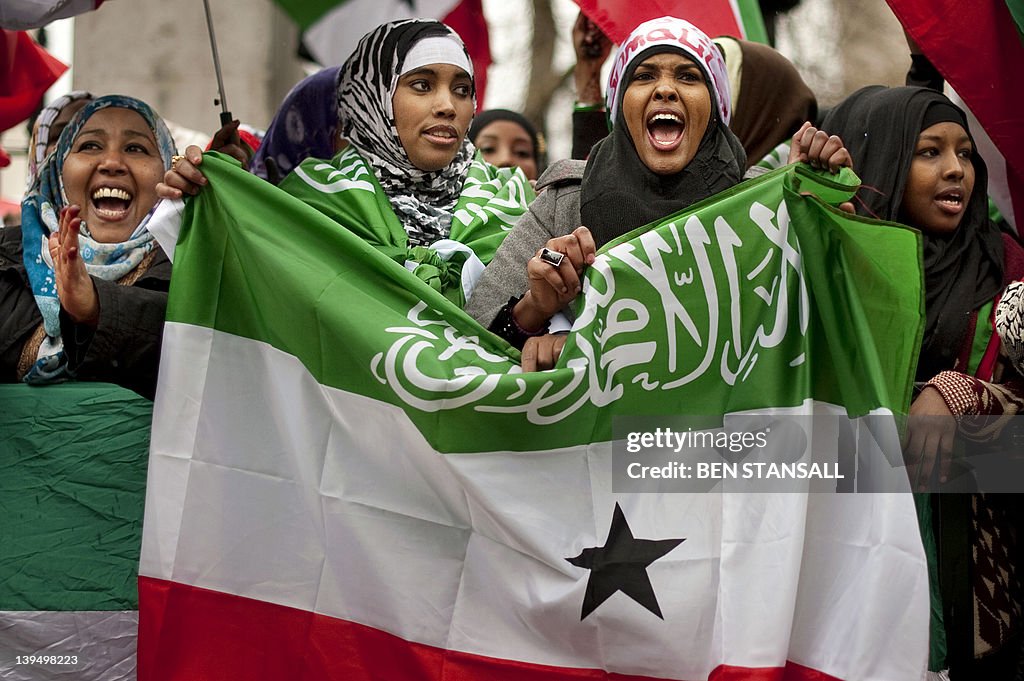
x: 447, y: 134
x: 111, y: 193
x: 670, y: 118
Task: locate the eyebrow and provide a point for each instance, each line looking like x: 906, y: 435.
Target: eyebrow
x: 515, y: 140
x: 103, y: 133
x: 939, y: 138
x: 689, y: 64
x: 427, y: 71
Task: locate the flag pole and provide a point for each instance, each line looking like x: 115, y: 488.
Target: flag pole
x: 225, y: 115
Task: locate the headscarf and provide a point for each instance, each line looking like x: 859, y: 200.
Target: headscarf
x: 41, y: 135
x: 620, y: 193
x: 305, y: 126
x: 40, y: 212
x: 422, y: 200
x: 962, y: 270
x: 771, y: 100
x: 485, y: 118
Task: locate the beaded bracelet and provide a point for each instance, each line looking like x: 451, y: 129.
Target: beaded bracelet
x: 506, y: 326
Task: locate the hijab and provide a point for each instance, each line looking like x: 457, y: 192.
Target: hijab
x: 41, y: 135
x: 962, y: 270
x: 305, y: 126
x: 620, y: 193
x: 422, y: 200
x: 485, y: 118
x: 40, y: 212
x: 771, y: 100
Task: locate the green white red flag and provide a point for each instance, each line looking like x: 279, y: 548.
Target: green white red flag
x: 74, y: 458
x: 351, y: 479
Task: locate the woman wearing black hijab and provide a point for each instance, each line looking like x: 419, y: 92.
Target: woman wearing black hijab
x: 508, y: 140
x: 669, y: 147
x: 918, y: 165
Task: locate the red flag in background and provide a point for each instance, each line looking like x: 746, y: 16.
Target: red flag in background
x: 738, y: 18
x: 976, y: 47
x: 26, y: 72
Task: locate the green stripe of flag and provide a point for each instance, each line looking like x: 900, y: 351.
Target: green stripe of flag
x: 305, y: 13
x: 71, y: 496
x: 255, y: 262
x: 753, y: 21
x: 1017, y: 10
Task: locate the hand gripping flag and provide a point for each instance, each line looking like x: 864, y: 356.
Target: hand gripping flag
x: 351, y: 479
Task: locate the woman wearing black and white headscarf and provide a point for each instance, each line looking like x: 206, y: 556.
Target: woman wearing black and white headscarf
x: 408, y: 182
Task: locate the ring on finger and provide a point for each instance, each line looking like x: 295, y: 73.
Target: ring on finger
x: 177, y: 158
x: 553, y: 258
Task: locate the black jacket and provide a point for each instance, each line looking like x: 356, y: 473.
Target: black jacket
x: 124, y: 348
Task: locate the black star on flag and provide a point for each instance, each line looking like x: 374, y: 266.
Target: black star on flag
x: 621, y: 565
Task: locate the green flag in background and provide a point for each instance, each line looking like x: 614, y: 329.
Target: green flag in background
x: 351, y: 477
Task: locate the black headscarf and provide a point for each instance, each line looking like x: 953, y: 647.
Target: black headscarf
x: 488, y: 116
x: 962, y: 270
x: 620, y: 193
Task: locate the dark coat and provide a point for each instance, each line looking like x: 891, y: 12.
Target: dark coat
x: 124, y: 348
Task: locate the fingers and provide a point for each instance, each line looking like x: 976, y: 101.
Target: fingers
x: 561, y: 279
x: 817, y: 145
x: 228, y: 134
x: 588, y: 248
x: 529, y: 355
x: 847, y: 207
x: 542, y: 352
x: 184, y: 176
x: 840, y: 159
x: 797, y: 150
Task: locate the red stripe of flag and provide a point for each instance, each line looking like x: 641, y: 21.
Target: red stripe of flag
x: 618, y: 18
x: 467, y: 19
x: 194, y: 634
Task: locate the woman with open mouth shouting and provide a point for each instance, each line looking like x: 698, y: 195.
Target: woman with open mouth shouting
x: 669, y: 147
x: 83, y: 284
x: 406, y: 98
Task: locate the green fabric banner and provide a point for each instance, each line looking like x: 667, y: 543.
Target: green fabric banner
x: 71, y: 496
x: 760, y: 297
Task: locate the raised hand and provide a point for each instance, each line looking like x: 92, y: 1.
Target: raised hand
x: 553, y: 286
x: 75, y: 289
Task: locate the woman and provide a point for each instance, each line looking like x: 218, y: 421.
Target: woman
x: 305, y: 126
x: 408, y: 182
x: 919, y: 166
x: 50, y: 123
x: 670, y: 146
x: 83, y: 285
x: 508, y: 140
x: 769, y: 98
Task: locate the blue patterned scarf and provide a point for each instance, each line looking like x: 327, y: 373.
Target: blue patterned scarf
x: 40, y: 212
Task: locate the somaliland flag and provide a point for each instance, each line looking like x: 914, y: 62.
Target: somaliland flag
x: 351, y: 479
x: 71, y: 497
x: 737, y: 18
x: 331, y: 28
